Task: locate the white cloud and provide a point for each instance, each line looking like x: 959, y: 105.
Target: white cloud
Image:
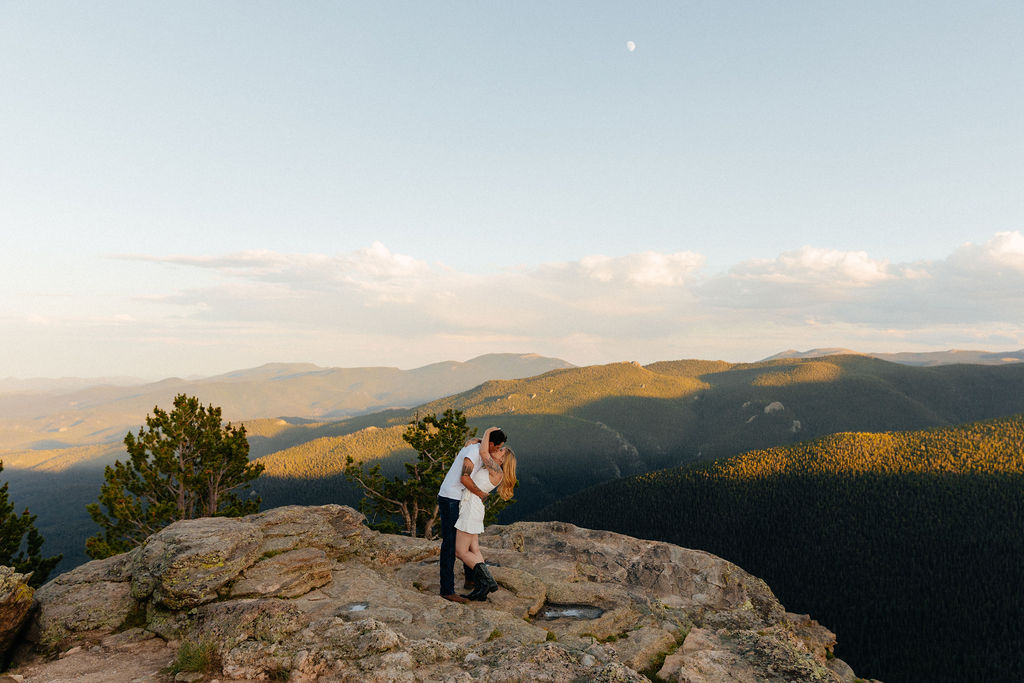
x: 977, y: 284
x: 375, y: 289
x: 378, y: 291
x: 1004, y: 252
x: 648, y: 269
x: 376, y: 306
x: 814, y: 267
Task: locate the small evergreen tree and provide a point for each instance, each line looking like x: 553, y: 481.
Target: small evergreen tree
x: 410, y: 505
x: 20, y: 542
x: 182, y: 465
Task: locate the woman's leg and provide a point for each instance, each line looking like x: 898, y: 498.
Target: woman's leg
x: 470, y: 549
x: 467, y: 548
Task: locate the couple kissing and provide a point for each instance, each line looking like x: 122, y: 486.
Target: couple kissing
x: 479, y: 467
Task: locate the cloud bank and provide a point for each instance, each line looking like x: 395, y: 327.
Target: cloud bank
x: 377, y: 306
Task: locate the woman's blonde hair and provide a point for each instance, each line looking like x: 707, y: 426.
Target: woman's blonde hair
x: 508, y: 475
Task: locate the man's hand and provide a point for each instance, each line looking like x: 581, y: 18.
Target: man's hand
x: 483, y: 496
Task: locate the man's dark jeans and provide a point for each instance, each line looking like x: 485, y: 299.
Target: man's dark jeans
x: 449, y: 510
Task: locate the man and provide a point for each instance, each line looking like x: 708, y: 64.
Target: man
x: 448, y: 498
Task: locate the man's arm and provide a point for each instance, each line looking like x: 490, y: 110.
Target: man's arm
x: 467, y: 479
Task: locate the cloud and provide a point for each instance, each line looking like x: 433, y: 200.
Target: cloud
x: 815, y: 267
x: 803, y: 278
x: 975, y: 284
x: 377, y: 290
x: 648, y: 269
x: 374, y: 306
x: 1003, y: 253
x: 373, y: 269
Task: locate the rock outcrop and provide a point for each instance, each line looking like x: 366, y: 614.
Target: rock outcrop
x: 311, y: 593
x: 15, y: 604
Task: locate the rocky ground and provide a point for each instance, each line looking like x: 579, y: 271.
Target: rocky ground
x: 310, y: 593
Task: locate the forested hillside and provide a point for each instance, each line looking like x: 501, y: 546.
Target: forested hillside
x: 908, y: 545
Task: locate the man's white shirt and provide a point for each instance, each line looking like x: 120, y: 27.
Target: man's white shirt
x: 452, y: 486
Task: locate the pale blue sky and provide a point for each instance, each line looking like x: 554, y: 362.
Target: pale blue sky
x: 146, y: 148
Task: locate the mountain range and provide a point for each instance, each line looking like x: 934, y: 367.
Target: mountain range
x: 51, y: 417
x: 49, y: 414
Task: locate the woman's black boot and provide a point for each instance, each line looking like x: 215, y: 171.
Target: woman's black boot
x: 481, y: 590
x: 488, y: 580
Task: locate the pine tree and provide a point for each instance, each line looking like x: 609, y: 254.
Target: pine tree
x: 20, y: 542
x: 182, y: 465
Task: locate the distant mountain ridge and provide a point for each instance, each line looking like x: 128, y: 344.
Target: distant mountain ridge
x: 60, y: 385
x: 103, y: 413
x: 918, y: 359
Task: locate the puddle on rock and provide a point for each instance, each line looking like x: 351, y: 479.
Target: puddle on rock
x: 354, y: 607
x: 552, y: 612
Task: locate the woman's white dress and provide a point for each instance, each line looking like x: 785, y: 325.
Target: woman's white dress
x: 471, y: 508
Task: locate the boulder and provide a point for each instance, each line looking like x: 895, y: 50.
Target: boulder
x: 15, y: 604
x: 338, y: 530
x: 186, y: 563
x: 93, y: 599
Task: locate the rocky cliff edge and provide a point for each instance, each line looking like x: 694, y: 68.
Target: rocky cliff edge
x: 310, y: 593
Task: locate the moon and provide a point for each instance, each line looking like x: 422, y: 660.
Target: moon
x: 630, y: 45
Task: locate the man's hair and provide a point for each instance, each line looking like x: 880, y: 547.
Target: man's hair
x: 497, y: 437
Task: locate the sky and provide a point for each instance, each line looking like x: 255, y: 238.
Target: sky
x: 190, y: 188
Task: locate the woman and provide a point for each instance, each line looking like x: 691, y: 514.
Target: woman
x: 499, y: 470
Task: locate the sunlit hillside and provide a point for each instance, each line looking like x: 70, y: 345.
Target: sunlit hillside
x: 569, y: 391
x: 59, y: 460
x: 323, y: 456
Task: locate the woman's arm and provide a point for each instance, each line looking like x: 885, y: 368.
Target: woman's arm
x: 485, y: 453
